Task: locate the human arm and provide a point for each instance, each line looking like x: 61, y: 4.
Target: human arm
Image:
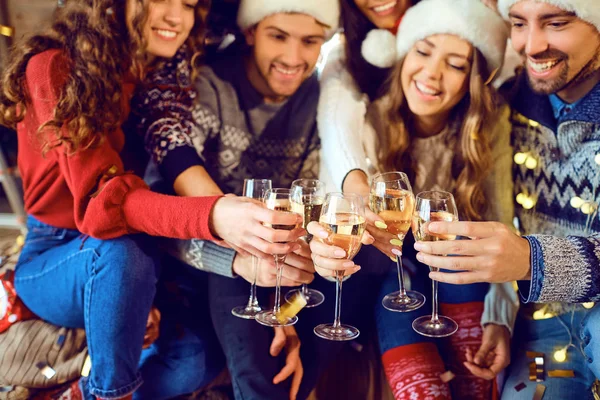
x: 286, y: 337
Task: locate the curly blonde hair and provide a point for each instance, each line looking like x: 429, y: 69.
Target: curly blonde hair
x: 472, y: 155
x: 100, y: 50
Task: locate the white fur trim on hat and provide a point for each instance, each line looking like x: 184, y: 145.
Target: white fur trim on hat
x: 587, y: 10
x: 379, y: 48
x: 327, y: 12
x: 468, y: 19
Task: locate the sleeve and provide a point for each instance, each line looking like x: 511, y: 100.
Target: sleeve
x: 108, y: 201
x: 563, y: 269
x: 501, y: 306
x: 167, y: 108
x: 341, y: 118
x: 205, y: 256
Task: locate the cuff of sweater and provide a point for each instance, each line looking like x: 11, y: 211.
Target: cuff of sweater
x: 501, y: 312
x: 205, y: 256
x: 530, y: 290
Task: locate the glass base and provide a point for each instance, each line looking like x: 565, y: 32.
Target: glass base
x: 444, y: 327
x: 339, y: 334
x: 246, y: 312
x: 411, y: 302
x: 313, y: 297
x: 268, y: 318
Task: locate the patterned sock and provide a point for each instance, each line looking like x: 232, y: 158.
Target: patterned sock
x: 465, y: 386
x: 413, y: 372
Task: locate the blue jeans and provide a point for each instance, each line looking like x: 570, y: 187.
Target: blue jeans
x: 547, y: 336
x: 104, y: 286
x: 590, y: 336
x: 246, y: 343
x: 187, y: 355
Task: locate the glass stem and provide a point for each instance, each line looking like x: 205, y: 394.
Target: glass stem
x: 279, y: 267
x: 305, y: 290
x: 401, y: 277
x: 434, y: 314
x: 253, y: 301
x: 339, y: 275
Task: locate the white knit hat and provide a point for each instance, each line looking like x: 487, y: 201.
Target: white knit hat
x: 587, y: 10
x: 468, y: 19
x: 326, y: 12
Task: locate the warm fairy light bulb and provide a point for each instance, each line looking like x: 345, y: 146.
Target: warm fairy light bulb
x: 577, y: 202
x: 588, y: 305
x: 520, y: 158
x: 560, y: 355
x: 528, y: 203
x: 521, y: 197
x: 588, y: 208
x: 597, y: 159
x: 531, y: 163
x: 533, y: 123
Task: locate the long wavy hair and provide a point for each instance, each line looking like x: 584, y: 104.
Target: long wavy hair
x: 101, y: 51
x: 472, y: 159
x: 368, y: 77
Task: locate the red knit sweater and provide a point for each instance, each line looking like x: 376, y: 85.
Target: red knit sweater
x: 90, y: 191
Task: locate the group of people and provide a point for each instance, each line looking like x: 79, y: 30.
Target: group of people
x: 135, y: 141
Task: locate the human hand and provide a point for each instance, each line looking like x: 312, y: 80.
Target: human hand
x: 298, y: 269
x: 152, y: 328
x: 493, y: 354
x: 240, y: 221
x: 495, y: 254
x: 329, y: 259
x: 383, y: 239
x: 286, y: 337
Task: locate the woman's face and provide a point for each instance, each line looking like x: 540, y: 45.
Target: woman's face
x: 384, y: 14
x: 168, y: 24
x: 435, y: 75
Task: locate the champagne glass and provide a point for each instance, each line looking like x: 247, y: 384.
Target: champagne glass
x: 278, y: 200
x: 392, y: 199
x: 343, y: 215
x: 255, y: 189
x: 434, y: 206
x: 307, y: 197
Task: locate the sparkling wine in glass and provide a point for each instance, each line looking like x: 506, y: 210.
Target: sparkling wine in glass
x: 392, y: 199
x: 278, y: 200
x: 255, y: 189
x: 430, y: 207
x: 307, y: 196
x: 343, y: 216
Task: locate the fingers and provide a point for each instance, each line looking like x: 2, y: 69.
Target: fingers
x: 278, y: 342
x: 304, y: 250
x: 297, y: 276
x: 479, y: 372
x: 296, y: 381
x: 457, y: 247
x: 468, y: 229
x: 451, y: 263
x: 460, y: 278
x: 271, y: 217
x: 319, y: 248
x: 382, y: 240
x: 302, y: 263
x: 482, y: 354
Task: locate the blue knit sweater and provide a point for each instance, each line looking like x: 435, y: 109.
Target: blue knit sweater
x: 556, y: 183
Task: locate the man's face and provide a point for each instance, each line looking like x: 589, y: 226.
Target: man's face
x: 559, y: 49
x: 286, y: 48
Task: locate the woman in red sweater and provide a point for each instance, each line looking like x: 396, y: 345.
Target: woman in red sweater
x: 66, y: 92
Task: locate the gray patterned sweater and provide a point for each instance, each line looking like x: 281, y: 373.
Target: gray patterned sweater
x: 223, y: 124
x: 558, y: 163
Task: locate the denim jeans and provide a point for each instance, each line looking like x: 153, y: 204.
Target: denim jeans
x: 547, y: 336
x: 246, y: 343
x: 187, y: 355
x: 590, y: 335
x: 104, y: 286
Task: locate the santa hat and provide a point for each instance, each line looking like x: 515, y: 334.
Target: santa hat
x: 326, y: 12
x: 468, y: 19
x: 587, y: 10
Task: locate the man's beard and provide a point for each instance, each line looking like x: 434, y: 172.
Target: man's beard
x: 562, y: 82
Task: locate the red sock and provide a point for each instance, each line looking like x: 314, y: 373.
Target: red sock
x: 413, y: 372
x: 465, y: 386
